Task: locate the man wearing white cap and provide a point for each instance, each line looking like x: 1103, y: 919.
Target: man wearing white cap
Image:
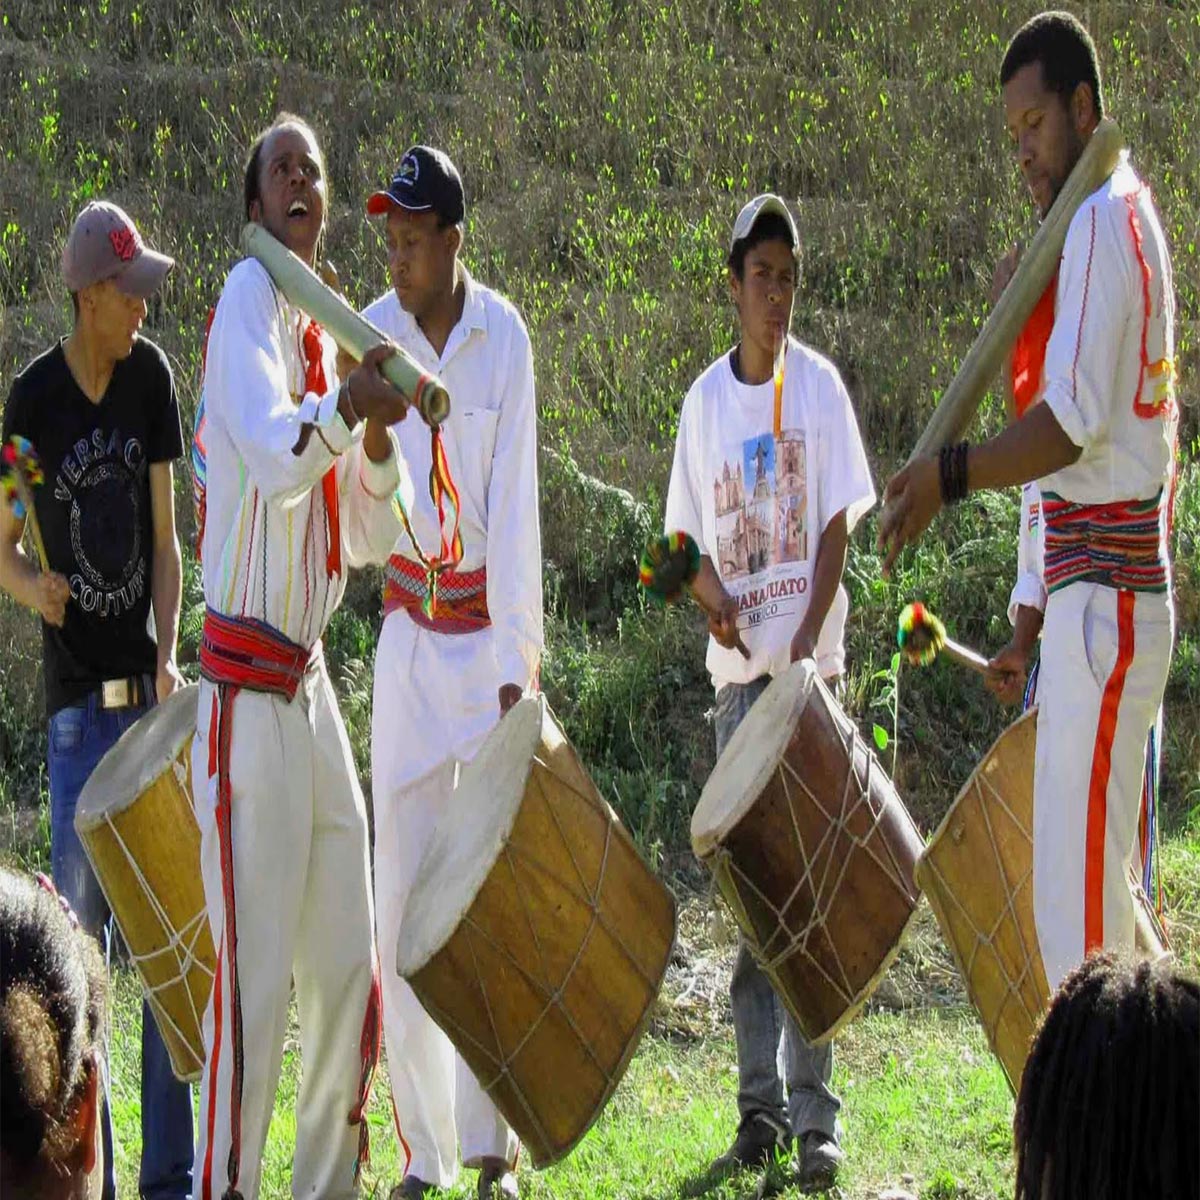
x: 99, y: 408
x: 770, y: 478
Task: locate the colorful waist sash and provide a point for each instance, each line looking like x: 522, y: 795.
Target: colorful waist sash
x: 1119, y: 545
x: 246, y: 653
x: 460, y: 601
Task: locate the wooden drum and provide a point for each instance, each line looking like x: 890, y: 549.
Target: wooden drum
x: 136, y: 822
x: 812, y: 848
x: 534, y: 934
x: 978, y: 874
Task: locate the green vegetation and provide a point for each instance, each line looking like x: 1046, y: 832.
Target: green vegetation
x: 606, y: 146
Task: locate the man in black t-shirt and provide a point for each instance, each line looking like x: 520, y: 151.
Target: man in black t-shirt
x: 99, y: 408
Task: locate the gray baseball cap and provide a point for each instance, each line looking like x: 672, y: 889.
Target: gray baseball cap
x: 104, y: 244
x: 760, y: 206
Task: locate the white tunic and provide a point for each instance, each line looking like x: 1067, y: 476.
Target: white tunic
x: 1113, y: 396
x: 266, y: 529
x: 491, y: 445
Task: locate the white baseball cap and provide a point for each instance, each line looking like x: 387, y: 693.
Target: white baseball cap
x: 760, y: 206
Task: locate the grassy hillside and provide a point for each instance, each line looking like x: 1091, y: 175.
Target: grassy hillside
x: 606, y: 146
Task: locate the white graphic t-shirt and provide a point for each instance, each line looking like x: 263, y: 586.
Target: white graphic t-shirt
x: 757, y: 503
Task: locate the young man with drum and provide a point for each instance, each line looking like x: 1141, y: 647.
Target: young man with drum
x: 770, y: 478
x: 450, y: 670
x: 99, y: 409
x: 300, y: 475
x: 1101, y: 445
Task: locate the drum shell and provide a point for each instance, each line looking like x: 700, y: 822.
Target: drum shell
x: 819, y: 870
x: 549, y: 979
x: 978, y: 874
x: 158, y: 829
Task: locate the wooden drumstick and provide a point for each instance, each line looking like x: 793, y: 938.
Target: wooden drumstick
x: 21, y: 472
x: 962, y: 398
x: 922, y: 637
x: 301, y: 285
x: 669, y: 565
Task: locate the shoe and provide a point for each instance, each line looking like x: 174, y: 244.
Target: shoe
x: 759, y: 1138
x: 412, y: 1188
x: 820, y: 1160
x: 497, y: 1180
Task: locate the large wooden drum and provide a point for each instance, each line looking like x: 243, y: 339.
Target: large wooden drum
x: 136, y: 822
x: 978, y: 874
x: 812, y: 848
x: 534, y: 934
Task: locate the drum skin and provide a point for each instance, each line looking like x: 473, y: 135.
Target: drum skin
x: 547, y: 980
x: 136, y: 822
x: 812, y: 848
x: 978, y: 874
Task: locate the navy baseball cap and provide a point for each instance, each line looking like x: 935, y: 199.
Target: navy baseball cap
x: 425, y: 181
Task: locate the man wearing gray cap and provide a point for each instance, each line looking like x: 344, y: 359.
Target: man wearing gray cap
x: 100, y: 410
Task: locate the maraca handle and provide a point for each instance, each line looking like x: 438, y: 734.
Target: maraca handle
x: 964, y: 657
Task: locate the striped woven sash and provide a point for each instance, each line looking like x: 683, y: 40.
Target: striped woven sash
x: 1119, y: 544
x: 461, y: 596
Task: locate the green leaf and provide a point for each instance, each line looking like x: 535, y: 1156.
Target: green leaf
x: 896, y: 662
x: 881, y: 736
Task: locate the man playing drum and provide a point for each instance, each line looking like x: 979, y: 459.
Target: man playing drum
x: 453, y: 668
x: 770, y: 479
x: 300, y: 475
x: 100, y: 411
x: 1101, y: 446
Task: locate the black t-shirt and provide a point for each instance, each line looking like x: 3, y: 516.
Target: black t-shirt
x: 94, y: 508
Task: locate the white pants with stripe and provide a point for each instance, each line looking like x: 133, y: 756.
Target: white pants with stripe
x: 435, y: 701
x: 1105, y: 656
x: 303, y: 910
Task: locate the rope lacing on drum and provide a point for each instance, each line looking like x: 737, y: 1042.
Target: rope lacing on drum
x: 553, y: 996
x: 770, y: 956
x: 186, y: 939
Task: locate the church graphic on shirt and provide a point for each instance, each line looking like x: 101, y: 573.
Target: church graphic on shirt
x: 761, y: 505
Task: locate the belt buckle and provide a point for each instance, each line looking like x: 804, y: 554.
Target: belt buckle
x: 116, y: 693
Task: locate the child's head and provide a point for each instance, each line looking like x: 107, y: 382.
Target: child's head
x: 1110, y: 1099
x: 764, y: 270
x: 52, y: 1005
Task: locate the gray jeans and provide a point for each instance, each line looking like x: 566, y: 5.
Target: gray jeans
x: 771, y: 1049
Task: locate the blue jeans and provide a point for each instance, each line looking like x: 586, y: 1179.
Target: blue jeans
x: 763, y: 1028
x: 79, y: 737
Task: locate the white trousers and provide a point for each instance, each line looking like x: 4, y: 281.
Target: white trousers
x: 1105, y: 656
x: 435, y: 701
x: 302, y: 900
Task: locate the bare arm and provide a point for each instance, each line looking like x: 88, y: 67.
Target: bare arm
x: 166, y: 576
x: 1031, y: 448
x: 827, y: 575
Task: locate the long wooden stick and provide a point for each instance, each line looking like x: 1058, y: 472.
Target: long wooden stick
x: 356, y: 335
x: 962, y: 398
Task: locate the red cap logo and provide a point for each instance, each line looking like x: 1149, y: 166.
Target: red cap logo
x: 124, y: 243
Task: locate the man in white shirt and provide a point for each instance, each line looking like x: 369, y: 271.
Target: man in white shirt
x: 299, y: 475
x: 1101, y: 445
x: 770, y: 478
x: 453, y: 667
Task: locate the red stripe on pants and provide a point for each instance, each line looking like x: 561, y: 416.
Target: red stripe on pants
x: 213, y: 1075
x: 1097, y: 815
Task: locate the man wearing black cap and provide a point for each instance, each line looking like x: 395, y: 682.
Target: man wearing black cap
x: 482, y: 643
x: 99, y: 408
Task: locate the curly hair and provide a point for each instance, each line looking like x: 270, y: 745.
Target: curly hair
x: 1109, y: 1105
x: 52, y: 1013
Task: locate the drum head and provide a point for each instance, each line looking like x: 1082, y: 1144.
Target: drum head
x: 751, y: 756
x: 143, y: 753
x: 470, y: 835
